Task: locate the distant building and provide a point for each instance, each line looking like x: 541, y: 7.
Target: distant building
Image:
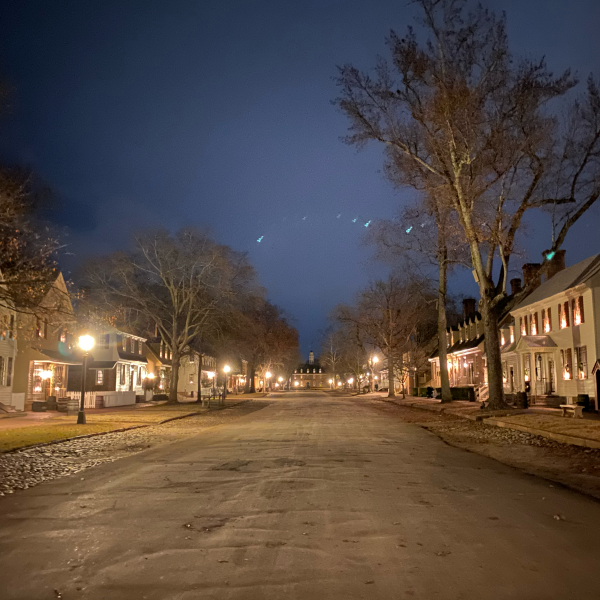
x: 310, y: 375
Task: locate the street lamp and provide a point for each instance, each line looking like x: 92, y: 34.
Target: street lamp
x: 226, y: 370
x: 374, y: 360
x: 268, y: 376
x: 86, y: 343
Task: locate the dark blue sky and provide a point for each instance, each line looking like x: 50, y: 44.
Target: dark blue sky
x: 144, y: 113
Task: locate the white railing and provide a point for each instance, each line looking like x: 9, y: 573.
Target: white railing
x: 482, y: 393
x: 109, y: 399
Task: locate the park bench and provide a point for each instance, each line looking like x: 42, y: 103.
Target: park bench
x: 576, y: 409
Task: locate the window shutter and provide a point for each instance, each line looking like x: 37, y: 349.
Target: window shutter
x: 549, y: 320
x: 566, y: 310
x: 580, y: 302
x: 9, y: 371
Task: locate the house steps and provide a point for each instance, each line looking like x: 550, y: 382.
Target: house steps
x: 6, y: 411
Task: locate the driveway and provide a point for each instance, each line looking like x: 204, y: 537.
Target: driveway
x: 313, y: 497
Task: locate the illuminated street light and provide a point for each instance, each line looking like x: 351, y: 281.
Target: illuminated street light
x: 86, y: 343
x: 45, y: 375
x: 296, y: 383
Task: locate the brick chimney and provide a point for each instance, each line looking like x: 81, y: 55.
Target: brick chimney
x: 469, y: 307
x: 557, y: 263
x: 515, y: 286
x: 530, y: 274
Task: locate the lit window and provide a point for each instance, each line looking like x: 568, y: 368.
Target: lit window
x: 581, y: 358
x: 99, y: 377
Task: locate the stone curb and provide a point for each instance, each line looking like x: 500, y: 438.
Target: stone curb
x: 558, y: 437
x: 90, y: 435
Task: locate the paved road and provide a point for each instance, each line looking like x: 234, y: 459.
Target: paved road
x: 312, y: 498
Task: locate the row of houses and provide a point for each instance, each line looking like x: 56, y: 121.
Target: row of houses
x: 550, y: 342
x: 39, y: 359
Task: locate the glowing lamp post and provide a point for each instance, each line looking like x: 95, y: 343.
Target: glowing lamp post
x: 86, y: 343
x: 226, y: 370
x: 268, y: 376
x: 45, y: 375
x: 331, y: 383
x: 374, y: 361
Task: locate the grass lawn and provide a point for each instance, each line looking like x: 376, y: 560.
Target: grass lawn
x: 583, y: 428
x: 63, y: 427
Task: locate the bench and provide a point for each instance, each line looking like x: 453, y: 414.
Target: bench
x: 576, y: 409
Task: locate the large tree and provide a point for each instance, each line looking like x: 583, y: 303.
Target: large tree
x: 456, y: 112
x: 182, y: 284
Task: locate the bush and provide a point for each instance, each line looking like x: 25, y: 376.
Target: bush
x: 159, y: 397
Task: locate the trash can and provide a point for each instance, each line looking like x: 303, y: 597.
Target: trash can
x: 583, y: 400
x: 521, y: 401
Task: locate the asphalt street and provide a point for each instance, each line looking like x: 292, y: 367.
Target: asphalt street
x: 311, y: 497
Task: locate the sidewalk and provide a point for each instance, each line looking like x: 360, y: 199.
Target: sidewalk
x: 542, y: 421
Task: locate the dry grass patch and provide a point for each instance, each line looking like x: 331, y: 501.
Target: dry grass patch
x: 583, y: 428
x: 11, y: 439
x: 64, y: 427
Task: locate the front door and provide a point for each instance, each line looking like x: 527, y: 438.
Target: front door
x: 511, y: 372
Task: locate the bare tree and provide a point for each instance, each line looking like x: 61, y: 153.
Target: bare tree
x: 422, y: 237
x: 263, y: 334
x: 457, y: 113
x: 387, y: 315
x: 182, y: 284
x: 332, y: 350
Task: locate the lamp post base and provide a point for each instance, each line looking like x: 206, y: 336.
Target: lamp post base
x: 81, y: 418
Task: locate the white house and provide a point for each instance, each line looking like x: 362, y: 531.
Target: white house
x: 557, y: 336
x: 116, y: 370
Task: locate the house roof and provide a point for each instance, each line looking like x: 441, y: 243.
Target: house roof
x: 537, y: 341
x: 102, y: 364
x: 132, y: 356
x: 461, y: 346
x: 563, y: 280
x: 58, y: 357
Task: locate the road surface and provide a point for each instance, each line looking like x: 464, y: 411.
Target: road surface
x: 313, y: 497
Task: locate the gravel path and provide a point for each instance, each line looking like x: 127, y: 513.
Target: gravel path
x: 28, y: 467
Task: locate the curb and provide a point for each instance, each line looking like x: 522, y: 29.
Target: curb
x: 90, y: 435
x: 558, y: 437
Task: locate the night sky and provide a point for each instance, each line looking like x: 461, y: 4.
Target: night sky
x: 218, y: 114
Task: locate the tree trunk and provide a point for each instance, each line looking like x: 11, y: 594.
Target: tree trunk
x: 442, y: 337
x: 494, y: 358
x: 199, y: 394
x: 391, y: 390
x: 175, y: 360
x: 251, y: 377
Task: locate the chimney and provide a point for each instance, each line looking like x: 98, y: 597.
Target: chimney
x: 468, y: 307
x: 557, y: 263
x: 531, y: 274
x: 515, y: 286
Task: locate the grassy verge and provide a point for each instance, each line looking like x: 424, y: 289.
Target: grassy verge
x: 64, y: 427
x: 582, y: 428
